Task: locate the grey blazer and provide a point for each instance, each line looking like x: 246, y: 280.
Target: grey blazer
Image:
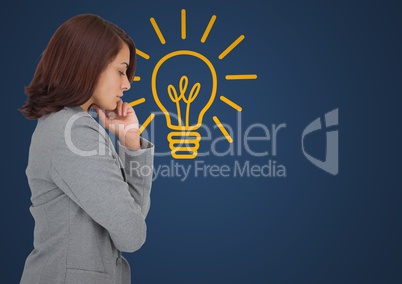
x: 88, y: 202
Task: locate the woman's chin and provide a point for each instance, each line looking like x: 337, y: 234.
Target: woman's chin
x: 111, y: 106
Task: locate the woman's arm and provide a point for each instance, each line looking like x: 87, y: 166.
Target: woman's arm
x: 83, y: 166
x: 135, y: 152
x: 138, y: 166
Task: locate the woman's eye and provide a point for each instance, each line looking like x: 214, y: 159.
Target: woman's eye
x: 121, y: 73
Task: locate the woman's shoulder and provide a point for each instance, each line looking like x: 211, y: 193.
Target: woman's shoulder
x: 70, y: 123
x: 67, y: 118
x: 66, y: 114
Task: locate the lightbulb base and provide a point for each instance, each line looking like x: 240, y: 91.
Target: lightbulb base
x: 184, y: 145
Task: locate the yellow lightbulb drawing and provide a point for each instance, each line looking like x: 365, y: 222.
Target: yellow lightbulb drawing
x: 184, y: 140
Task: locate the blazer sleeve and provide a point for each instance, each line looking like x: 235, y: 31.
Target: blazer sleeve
x: 138, y: 166
x: 84, y: 167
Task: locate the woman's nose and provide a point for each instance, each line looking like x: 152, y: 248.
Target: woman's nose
x: 126, y: 84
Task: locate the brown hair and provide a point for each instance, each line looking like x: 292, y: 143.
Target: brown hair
x: 78, y: 52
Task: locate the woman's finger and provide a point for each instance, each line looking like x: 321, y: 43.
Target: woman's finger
x: 120, y: 107
x: 126, y: 107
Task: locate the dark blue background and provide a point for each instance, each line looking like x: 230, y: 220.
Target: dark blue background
x: 311, y: 57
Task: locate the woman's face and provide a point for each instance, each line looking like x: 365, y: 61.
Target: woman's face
x: 113, y: 81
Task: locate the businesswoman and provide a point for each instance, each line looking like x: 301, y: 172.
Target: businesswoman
x: 87, y: 203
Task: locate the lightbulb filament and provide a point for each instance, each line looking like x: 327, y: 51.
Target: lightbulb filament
x: 183, y: 84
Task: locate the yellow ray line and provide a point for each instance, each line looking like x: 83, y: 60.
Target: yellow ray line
x: 230, y: 47
x: 137, y: 78
x: 241, y: 77
x: 146, y: 122
x: 183, y: 24
x: 229, y: 102
x: 137, y: 102
x: 142, y: 54
x: 222, y: 129
x: 158, y: 31
x: 208, y: 29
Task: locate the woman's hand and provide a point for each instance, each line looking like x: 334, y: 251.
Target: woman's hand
x: 122, y: 122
